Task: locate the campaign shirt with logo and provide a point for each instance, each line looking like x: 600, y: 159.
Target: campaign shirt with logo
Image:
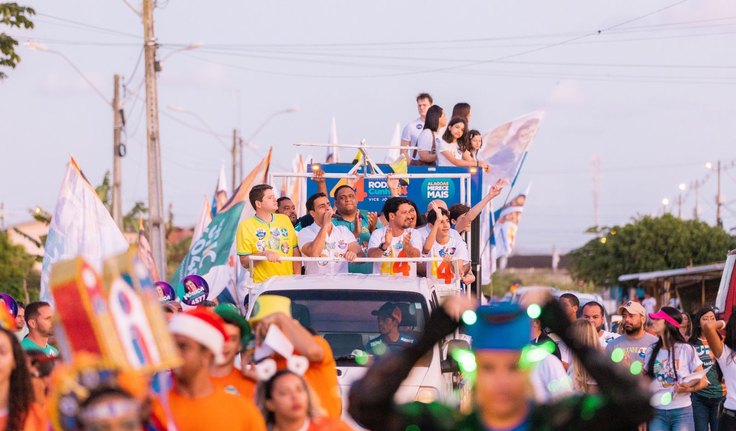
x: 445, y: 271
x: 255, y: 236
x: 408, y: 269
x: 635, y: 349
x: 685, y: 361
x: 425, y: 141
x: 715, y: 388
x: 336, y: 245
x: 607, y: 337
x: 363, y: 239
x: 411, y: 131
x: 452, y: 148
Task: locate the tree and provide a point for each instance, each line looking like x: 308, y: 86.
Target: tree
x: 12, y: 15
x: 16, y: 267
x: 648, y: 244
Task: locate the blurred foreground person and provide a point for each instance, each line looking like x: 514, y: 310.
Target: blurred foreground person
x: 288, y: 404
x: 18, y: 409
x: 110, y: 409
x: 502, y: 396
x: 725, y: 352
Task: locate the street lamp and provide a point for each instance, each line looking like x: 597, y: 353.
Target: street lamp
x: 182, y: 110
x: 249, y: 142
x: 190, y: 47
x: 682, y: 187
x: 708, y: 165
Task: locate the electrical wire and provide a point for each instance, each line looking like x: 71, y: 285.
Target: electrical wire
x: 83, y: 25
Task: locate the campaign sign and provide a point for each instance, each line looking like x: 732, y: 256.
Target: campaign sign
x: 195, y: 290
x: 10, y: 303
x: 372, y: 193
x: 165, y: 291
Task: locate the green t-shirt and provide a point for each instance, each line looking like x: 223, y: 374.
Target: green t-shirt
x: 363, y: 238
x: 29, y: 344
x: 714, y: 389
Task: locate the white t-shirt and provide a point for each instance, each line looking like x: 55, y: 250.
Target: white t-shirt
x: 565, y: 353
x: 649, y: 304
x: 443, y: 271
x: 728, y: 366
x: 336, y: 244
x: 396, y: 250
x: 424, y: 142
x: 411, y: 131
x: 424, y: 233
x: 686, y: 360
x: 607, y: 337
x: 446, y: 146
x: 549, y: 380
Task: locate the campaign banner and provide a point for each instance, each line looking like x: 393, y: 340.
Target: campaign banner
x: 506, y: 225
x: 372, y: 193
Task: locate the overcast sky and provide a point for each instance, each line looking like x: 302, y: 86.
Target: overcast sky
x: 648, y: 87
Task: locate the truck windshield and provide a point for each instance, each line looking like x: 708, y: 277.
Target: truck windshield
x: 350, y: 321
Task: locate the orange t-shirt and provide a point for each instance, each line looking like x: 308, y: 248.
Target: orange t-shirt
x: 322, y: 378
x: 217, y: 411
x: 36, y: 419
x: 327, y: 423
x: 236, y: 383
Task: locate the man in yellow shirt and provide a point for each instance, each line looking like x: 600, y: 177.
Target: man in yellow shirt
x: 267, y: 234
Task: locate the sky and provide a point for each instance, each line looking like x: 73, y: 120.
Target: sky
x: 648, y: 88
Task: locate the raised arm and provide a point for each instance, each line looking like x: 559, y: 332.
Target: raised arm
x: 464, y: 221
x: 710, y: 330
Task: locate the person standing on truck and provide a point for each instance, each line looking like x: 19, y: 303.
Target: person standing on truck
x: 324, y: 239
x: 267, y: 234
x: 440, y: 243
x: 411, y: 131
x: 390, y: 340
x: 360, y: 223
x: 397, y: 239
x: 502, y: 397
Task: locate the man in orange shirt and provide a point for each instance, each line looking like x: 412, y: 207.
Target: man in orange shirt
x: 322, y: 372
x: 195, y: 403
x: 238, y: 334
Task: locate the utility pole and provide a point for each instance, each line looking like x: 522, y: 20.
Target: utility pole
x: 596, y: 172
x: 117, y: 203
x: 2, y: 215
x: 235, y: 159
x: 697, y: 200
x: 155, y: 185
x: 719, y: 201
x: 679, y: 206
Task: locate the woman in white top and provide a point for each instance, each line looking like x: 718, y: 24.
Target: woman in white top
x: 669, y: 361
x: 449, y: 151
x: 473, y: 142
x: 725, y: 353
x: 428, y: 141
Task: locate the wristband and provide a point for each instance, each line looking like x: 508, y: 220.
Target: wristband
x: 382, y: 248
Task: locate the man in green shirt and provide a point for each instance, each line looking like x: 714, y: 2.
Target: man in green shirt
x: 39, y: 319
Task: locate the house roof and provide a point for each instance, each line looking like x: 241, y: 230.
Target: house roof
x: 692, y: 270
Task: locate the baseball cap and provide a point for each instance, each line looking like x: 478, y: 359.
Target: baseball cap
x: 388, y: 309
x: 632, y: 307
x: 202, y: 326
x: 269, y: 304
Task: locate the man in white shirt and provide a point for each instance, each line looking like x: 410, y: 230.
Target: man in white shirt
x: 440, y: 243
x: 323, y: 239
x: 411, y: 131
x: 649, y: 303
x: 397, y: 239
x: 593, y: 313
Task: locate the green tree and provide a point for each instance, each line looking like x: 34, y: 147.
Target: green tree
x: 648, y: 244
x: 14, y: 16
x: 16, y: 267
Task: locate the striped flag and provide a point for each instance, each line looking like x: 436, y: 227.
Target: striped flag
x: 81, y: 226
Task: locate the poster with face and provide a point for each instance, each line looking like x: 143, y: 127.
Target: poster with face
x: 9, y: 302
x: 165, y: 292
x: 195, y: 290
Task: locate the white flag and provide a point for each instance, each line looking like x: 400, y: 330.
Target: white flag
x: 81, y: 226
x: 394, y: 153
x: 204, y: 219
x: 333, y: 155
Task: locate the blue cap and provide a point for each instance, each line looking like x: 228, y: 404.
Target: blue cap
x: 500, y: 326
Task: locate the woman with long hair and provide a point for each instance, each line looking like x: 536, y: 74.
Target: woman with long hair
x: 425, y: 153
x: 473, y: 143
x: 452, y: 140
x: 585, y: 334
x: 706, y: 402
x: 461, y: 110
x: 668, y: 363
x: 686, y: 329
x: 18, y: 410
x: 287, y: 404
x: 724, y: 350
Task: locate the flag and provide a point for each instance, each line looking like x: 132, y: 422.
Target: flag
x: 204, y: 219
x: 145, y: 253
x: 299, y: 185
x: 506, y: 224
x: 333, y: 154
x: 213, y: 256
x: 81, y: 226
x: 394, y: 153
x: 219, y: 197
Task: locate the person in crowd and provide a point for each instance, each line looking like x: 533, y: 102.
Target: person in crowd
x: 40, y: 321
x: 286, y: 207
x: 238, y: 333
x: 110, y: 408
x: 668, y: 362
x: 287, y: 404
x: 199, y: 335
x: 634, y: 340
x: 267, y: 234
x: 440, y: 244
x: 397, y: 239
x: 411, y: 131
x: 571, y: 304
x: 473, y: 144
x: 322, y: 372
x: 461, y: 216
x: 724, y: 350
x: 18, y: 408
x: 706, y: 402
x: 40, y: 367
x: 424, y: 230
x: 649, y: 303
x: 584, y: 333
x: 539, y: 338
x: 502, y: 399
x: 449, y: 153
x: 324, y: 239
x: 389, y: 339
x: 21, y: 330
x: 686, y: 328
x: 594, y: 313
x: 424, y: 153
x: 360, y: 223
x: 461, y: 110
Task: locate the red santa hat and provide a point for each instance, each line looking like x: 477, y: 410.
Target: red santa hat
x: 202, y: 326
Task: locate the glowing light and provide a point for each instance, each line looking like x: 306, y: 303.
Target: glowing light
x: 361, y: 358
x: 708, y: 165
x: 530, y: 355
x: 666, y: 398
x: 604, y: 240
x: 617, y: 355
x: 636, y: 368
x: 534, y: 311
x: 473, y: 170
x: 469, y: 317
x: 412, y: 427
x: 682, y: 187
x: 465, y: 359
x: 613, y: 232
x: 316, y: 167
x: 665, y: 201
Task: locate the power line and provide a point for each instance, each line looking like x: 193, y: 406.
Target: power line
x: 88, y: 26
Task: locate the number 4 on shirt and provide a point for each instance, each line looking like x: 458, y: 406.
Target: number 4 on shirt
x: 401, y: 267
x: 444, y: 272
